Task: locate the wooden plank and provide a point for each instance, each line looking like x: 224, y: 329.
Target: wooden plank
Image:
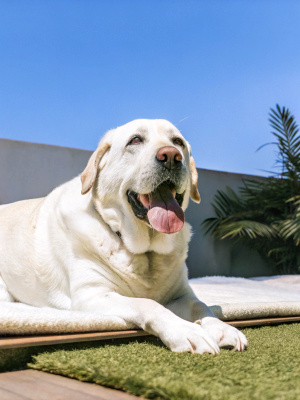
x: 8, y: 395
x: 29, y: 341
x: 37, y: 385
x: 263, y: 321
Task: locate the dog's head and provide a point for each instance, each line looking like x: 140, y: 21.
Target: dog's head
x: 142, y: 175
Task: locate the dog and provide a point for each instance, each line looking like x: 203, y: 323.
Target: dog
x: 114, y: 241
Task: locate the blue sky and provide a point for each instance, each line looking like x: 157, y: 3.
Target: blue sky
x: 72, y: 69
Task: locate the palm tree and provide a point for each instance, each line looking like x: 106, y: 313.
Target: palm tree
x: 265, y: 213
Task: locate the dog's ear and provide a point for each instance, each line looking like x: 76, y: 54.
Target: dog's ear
x: 89, y: 175
x: 195, y: 195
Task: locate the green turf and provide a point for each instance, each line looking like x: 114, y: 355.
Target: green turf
x: 269, y: 369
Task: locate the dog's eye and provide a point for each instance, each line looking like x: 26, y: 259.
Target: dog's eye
x: 178, y: 142
x: 135, y: 140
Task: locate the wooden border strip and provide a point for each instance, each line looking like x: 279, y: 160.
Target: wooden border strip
x: 29, y: 341
x: 43, y: 340
x: 262, y: 321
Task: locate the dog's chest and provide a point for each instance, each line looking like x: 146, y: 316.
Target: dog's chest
x: 149, y: 275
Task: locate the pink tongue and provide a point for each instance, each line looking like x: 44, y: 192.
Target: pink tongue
x: 165, y: 214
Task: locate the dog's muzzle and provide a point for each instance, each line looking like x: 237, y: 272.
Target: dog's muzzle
x: 160, y: 208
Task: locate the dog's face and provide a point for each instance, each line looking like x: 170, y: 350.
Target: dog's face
x: 142, y: 175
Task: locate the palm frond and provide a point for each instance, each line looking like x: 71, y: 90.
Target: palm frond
x: 244, y: 229
x: 290, y: 227
x: 286, y: 130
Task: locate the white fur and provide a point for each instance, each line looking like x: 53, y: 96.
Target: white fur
x: 63, y: 250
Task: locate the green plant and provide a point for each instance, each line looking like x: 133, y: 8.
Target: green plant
x: 265, y: 213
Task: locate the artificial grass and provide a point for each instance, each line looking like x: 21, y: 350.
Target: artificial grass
x: 269, y: 369
x: 15, y: 359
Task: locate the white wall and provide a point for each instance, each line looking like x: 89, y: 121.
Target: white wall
x: 29, y: 170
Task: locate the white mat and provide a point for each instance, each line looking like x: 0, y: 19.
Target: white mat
x: 239, y: 298
x: 229, y: 298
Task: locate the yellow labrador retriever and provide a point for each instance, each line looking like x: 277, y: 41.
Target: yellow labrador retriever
x: 115, y: 241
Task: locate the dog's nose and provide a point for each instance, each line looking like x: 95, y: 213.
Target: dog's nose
x: 169, y: 157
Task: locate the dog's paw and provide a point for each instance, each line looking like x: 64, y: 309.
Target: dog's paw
x: 189, y: 337
x: 224, y: 334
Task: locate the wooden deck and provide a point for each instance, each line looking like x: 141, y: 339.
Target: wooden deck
x: 37, y: 385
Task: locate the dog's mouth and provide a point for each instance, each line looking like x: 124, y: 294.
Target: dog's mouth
x: 161, y: 208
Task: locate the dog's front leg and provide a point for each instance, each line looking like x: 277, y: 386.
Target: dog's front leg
x: 177, y: 334
x: 189, y: 307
